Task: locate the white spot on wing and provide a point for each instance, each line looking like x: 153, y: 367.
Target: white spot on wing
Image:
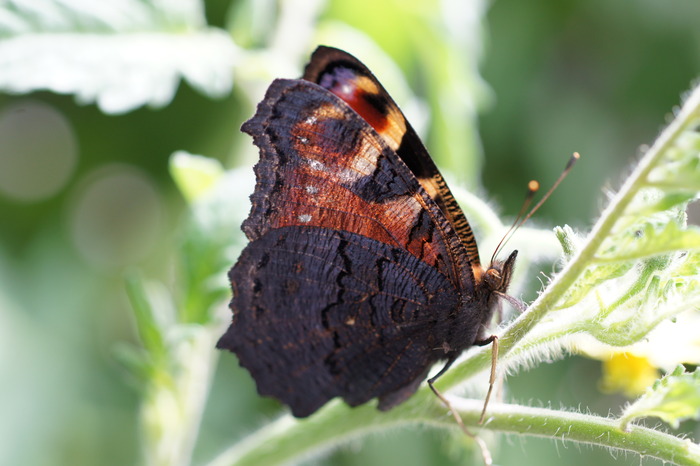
x: 316, y: 165
x: 363, y: 165
x: 304, y: 218
x: 348, y: 176
x: 311, y: 189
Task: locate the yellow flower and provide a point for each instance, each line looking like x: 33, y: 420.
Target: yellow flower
x: 624, y: 372
x: 631, y: 369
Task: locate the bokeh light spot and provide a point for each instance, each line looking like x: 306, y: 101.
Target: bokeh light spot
x: 115, y: 216
x: 38, y: 151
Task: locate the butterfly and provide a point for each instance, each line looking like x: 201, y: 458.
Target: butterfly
x: 362, y: 271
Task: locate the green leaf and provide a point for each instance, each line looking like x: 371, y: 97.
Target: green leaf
x: 667, y: 201
x: 193, y: 174
x: 118, y: 54
x: 651, y: 241
x: 568, y: 240
x: 674, y: 398
x: 146, y: 322
x: 212, y: 239
x: 136, y: 360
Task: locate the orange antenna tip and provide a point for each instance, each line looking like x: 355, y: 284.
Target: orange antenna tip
x: 533, y: 186
x: 574, y: 158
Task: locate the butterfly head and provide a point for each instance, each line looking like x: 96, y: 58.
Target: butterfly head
x: 497, y: 276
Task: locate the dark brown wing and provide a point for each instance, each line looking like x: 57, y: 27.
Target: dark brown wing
x: 353, y: 273
x: 321, y: 313
x: 322, y: 165
x: 352, y: 81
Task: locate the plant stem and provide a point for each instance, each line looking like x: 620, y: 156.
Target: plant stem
x: 585, y: 428
x: 174, y: 403
x: 547, y: 301
x: 288, y: 440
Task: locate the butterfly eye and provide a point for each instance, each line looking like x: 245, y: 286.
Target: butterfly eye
x: 493, y: 278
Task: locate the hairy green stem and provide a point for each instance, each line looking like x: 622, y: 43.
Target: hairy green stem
x: 481, y: 359
x: 287, y: 440
x: 586, y: 428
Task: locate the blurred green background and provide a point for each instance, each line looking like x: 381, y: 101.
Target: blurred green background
x: 502, y: 91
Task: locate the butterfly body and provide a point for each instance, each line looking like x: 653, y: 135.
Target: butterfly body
x: 361, y: 272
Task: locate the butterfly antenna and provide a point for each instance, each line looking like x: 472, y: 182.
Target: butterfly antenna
x: 533, y: 186
x: 569, y: 165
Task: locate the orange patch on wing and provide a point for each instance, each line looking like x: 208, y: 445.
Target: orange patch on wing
x: 334, y: 207
x: 359, y: 94
x: 429, y: 187
x: 355, y: 93
x: 325, y: 110
x: 318, y: 192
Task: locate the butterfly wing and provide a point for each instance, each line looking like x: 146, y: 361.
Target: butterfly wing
x: 320, y: 313
x: 322, y: 165
x: 349, y: 79
x: 352, y: 270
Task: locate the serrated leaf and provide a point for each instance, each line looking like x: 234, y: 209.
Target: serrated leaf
x: 674, y: 398
x: 651, y: 242
x: 591, y: 278
x: 682, y: 174
x: 119, y: 55
x: 668, y: 201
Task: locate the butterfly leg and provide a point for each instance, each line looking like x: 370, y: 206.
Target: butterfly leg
x: 492, y: 378
x: 485, y: 453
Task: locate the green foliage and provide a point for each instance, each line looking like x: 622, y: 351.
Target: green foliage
x: 637, y: 266
x: 674, y: 398
x: 110, y: 48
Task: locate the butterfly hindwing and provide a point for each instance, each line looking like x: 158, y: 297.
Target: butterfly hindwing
x: 321, y: 313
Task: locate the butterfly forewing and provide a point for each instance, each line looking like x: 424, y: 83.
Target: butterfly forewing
x: 322, y: 165
x: 353, y: 82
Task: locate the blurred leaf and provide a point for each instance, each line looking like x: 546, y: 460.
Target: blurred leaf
x: 146, y: 322
x: 674, y: 398
x: 119, y: 54
x: 212, y: 240
x: 136, y: 360
x: 194, y: 175
x: 249, y: 21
